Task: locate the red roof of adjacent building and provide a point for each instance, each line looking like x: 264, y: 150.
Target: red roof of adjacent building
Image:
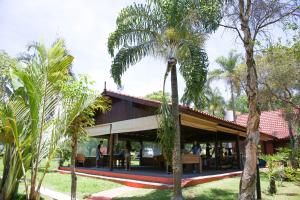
x: 271, y: 122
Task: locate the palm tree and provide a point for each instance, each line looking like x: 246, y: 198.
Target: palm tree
x: 159, y: 96
x: 79, y: 105
x: 227, y: 72
x: 173, y: 30
x: 29, y: 115
x: 215, y: 102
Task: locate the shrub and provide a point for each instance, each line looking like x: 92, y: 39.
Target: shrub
x: 64, y: 152
x: 289, y: 174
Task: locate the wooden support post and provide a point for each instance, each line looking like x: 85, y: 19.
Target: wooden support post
x: 216, y: 152
x: 111, y: 147
x: 238, y: 154
x: 258, y: 188
x: 141, y: 152
x: 181, y: 135
x: 220, y: 154
x: 264, y: 147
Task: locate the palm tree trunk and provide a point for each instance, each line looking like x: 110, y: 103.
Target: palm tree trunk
x: 232, y: 100
x: 177, y: 166
x: 11, y: 174
x: 6, y: 160
x: 73, y: 163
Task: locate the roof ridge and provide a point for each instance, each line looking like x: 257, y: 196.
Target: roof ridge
x: 180, y: 105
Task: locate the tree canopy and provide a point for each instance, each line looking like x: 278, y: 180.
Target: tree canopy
x: 165, y: 29
x: 159, y: 96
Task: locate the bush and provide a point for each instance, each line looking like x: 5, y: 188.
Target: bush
x: 289, y: 174
x: 64, y: 152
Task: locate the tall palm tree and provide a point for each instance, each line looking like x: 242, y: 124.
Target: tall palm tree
x: 227, y: 72
x: 173, y: 30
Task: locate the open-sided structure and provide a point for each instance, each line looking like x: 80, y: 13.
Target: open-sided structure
x: 136, y: 119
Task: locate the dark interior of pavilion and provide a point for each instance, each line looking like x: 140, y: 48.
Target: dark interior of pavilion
x: 218, y: 151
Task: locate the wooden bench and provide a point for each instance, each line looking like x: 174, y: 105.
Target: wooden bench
x: 192, y: 159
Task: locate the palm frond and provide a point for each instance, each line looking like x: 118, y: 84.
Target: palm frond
x: 136, y: 24
x: 166, y: 130
x: 129, y: 56
x: 193, y: 68
x: 216, y: 75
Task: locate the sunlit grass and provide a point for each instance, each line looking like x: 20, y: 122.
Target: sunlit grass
x: 225, y: 189
x: 62, y: 182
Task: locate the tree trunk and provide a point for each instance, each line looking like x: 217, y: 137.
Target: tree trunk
x: 272, y: 186
x: 33, y: 195
x: 73, y: 163
x: 232, y: 100
x: 294, y: 146
x: 177, y: 166
x: 248, y: 177
x: 6, y: 162
x: 12, y: 173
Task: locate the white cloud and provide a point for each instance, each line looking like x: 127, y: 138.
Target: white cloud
x: 85, y: 25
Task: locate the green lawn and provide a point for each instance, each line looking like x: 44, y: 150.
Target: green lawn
x: 85, y: 186
x: 225, y: 189
x: 62, y: 183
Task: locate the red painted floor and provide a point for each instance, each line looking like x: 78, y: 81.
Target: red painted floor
x: 153, y: 180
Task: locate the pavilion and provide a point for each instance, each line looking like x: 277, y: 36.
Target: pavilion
x: 136, y: 119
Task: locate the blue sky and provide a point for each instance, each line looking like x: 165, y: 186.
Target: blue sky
x: 85, y: 25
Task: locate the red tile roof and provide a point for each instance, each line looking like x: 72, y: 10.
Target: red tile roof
x: 271, y: 122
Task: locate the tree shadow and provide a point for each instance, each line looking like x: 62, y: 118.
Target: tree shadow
x: 211, y: 194
x: 290, y: 194
x: 215, y: 194
x: 42, y: 169
x: 154, y: 195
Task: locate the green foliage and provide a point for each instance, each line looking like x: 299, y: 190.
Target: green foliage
x: 6, y: 63
x: 159, y: 96
x: 46, y: 104
x: 216, y: 103
x: 171, y: 30
x: 166, y: 131
x: 227, y: 71
x: 165, y: 29
x: 290, y: 174
x: 278, y: 168
x: 274, y: 170
x: 241, y: 104
x: 28, y: 115
x: 80, y: 103
x: 63, y: 152
x: 278, y: 71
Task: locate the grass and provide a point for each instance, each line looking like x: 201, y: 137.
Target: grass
x: 225, y: 189
x: 62, y: 182
x: 85, y: 186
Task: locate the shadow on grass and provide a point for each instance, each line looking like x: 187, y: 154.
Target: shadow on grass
x: 212, y: 194
x: 23, y: 197
x: 42, y: 169
x: 290, y: 194
x: 215, y: 194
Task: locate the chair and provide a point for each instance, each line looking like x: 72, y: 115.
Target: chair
x: 80, y: 158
